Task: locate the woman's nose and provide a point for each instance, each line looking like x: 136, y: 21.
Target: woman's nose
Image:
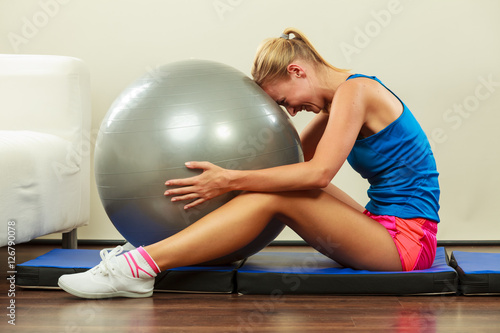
x: 291, y: 111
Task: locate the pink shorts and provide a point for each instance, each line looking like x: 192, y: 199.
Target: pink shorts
x: 415, y: 239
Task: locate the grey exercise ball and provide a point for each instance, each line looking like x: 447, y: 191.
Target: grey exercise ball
x: 186, y: 111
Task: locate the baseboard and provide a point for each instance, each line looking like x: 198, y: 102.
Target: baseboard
x: 114, y: 242
x: 469, y: 243
x: 89, y: 242
x: 439, y: 243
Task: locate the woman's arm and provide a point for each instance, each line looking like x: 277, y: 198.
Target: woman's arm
x: 345, y: 120
x: 347, y: 116
x: 311, y: 135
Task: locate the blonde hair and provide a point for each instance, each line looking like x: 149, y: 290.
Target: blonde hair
x: 275, y: 54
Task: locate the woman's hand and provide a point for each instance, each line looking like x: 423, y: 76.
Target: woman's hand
x: 212, y: 182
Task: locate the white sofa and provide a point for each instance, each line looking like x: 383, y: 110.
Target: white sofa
x: 45, y: 141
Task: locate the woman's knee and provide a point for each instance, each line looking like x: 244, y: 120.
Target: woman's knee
x: 275, y: 202
x: 266, y: 199
x: 281, y: 202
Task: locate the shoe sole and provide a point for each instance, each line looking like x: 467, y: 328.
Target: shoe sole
x: 127, y: 294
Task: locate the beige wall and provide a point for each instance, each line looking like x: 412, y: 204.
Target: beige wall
x: 441, y: 57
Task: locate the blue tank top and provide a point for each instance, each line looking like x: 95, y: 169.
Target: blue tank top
x: 400, y: 167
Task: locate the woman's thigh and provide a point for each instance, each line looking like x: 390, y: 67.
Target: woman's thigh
x: 337, y: 229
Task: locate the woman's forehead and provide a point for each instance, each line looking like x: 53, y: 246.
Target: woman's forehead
x: 274, y: 89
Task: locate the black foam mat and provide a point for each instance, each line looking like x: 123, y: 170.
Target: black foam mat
x: 44, y: 271
x: 479, y: 273
x: 264, y: 273
x: 312, y: 273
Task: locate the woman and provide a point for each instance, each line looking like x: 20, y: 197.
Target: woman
x: 358, y: 119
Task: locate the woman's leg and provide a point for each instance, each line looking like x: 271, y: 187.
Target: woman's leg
x: 334, y: 226
x: 334, y: 191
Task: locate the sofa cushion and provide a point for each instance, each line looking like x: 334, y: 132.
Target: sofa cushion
x: 39, y: 182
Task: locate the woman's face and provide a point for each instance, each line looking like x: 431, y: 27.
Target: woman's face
x: 296, y: 93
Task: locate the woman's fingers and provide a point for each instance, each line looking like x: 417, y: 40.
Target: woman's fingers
x: 181, y: 182
x: 179, y: 191
x: 198, y: 165
x: 194, y: 203
x: 191, y: 180
x: 189, y: 196
x: 199, y: 188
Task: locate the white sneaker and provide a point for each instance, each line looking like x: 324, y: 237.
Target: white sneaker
x: 108, y: 279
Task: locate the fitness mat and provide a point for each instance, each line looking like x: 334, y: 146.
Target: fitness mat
x: 44, y: 271
x: 278, y: 273
x: 478, y: 273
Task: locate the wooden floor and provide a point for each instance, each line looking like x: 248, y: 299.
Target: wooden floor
x: 55, y: 311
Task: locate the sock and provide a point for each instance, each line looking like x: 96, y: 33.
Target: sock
x: 141, y: 264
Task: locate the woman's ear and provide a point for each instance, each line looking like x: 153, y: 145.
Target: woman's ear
x: 296, y: 70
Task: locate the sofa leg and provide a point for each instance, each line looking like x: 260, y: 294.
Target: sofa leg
x: 69, y: 240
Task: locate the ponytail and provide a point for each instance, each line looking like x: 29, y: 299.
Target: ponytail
x: 275, y: 54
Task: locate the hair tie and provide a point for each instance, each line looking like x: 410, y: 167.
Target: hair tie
x: 285, y: 36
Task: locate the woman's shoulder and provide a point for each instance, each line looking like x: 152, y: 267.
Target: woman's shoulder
x: 361, y: 81
x: 359, y: 89
x: 365, y: 86
x: 381, y: 106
